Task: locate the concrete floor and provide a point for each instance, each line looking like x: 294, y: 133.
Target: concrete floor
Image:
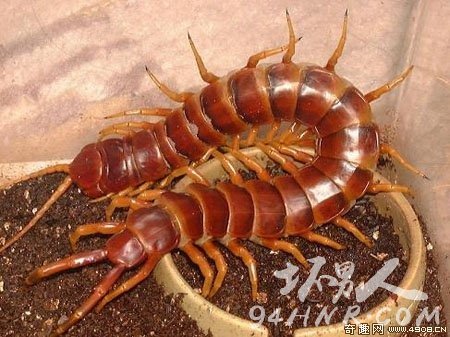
x: 66, y: 65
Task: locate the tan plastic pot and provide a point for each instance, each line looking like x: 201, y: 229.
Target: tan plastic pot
x: 223, y: 324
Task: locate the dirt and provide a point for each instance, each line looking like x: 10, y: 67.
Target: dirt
x: 146, y: 311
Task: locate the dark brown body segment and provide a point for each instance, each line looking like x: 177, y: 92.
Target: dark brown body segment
x: 284, y: 81
x: 326, y: 198
x: 148, y: 158
x: 319, y: 91
x: 268, y: 207
x: 352, y: 180
x: 167, y: 147
x: 299, y: 216
x: 186, y: 211
x: 206, y: 131
x: 215, y: 100
x: 214, y: 208
x: 185, y: 142
x: 356, y: 144
x: 240, y: 206
x: 249, y: 89
x: 351, y: 109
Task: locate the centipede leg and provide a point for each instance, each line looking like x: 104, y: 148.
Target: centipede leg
x: 252, y: 164
x: 254, y: 59
x: 287, y: 57
x: 141, y: 275
x: 338, y: 52
x: 200, y: 260
x: 286, y: 164
x: 71, y: 262
x: 94, y: 228
x: 207, y: 76
x: 235, y: 177
x: 132, y: 203
x: 294, y: 128
x: 190, y: 171
x: 240, y: 251
x: 373, y: 95
x: 298, y: 155
x: 99, y: 291
x: 385, y: 148
x: 286, y: 247
x: 120, y: 128
x: 162, y: 112
x: 214, y: 253
x: 175, y: 96
x: 320, y: 239
x: 251, y: 138
x: 379, y: 188
x: 349, y: 227
x: 272, y: 132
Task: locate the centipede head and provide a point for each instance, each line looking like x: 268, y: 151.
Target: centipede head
x: 146, y: 236
x: 86, y: 170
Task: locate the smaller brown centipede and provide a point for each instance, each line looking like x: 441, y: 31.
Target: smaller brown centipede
x: 336, y: 115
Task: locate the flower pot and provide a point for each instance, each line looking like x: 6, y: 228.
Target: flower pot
x: 223, y: 324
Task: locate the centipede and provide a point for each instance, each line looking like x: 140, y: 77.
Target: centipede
x: 323, y: 111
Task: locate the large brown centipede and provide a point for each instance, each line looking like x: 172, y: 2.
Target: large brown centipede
x: 345, y: 137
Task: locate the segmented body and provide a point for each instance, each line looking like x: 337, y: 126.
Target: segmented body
x: 311, y: 95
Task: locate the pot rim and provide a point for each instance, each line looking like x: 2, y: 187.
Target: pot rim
x: 222, y: 323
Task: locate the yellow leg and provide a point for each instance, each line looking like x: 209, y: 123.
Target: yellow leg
x: 214, y: 253
x: 298, y: 155
x: 349, y: 227
x: 119, y: 128
x: 142, y: 112
x: 199, y: 259
x: 235, y: 176
x: 378, y: 188
x: 254, y: 59
x: 204, y: 73
x: 142, y: 274
x: 385, y: 148
x: 94, y: 228
x: 287, y: 57
x: 175, y: 96
x: 240, y: 251
x: 251, y: 138
x: 190, y: 171
x: 252, y: 164
x: 286, y: 164
x: 320, y: 239
x: 373, y: 95
x: 338, y: 52
x: 272, y: 132
x: 285, y: 247
x: 124, y: 202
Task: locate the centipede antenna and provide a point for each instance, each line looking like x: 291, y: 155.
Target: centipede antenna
x: 291, y: 48
x: 48, y: 170
x: 40, y: 213
x: 175, y: 96
x: 373, y: 95
x: 340, y: 47
x: 204, y: 73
